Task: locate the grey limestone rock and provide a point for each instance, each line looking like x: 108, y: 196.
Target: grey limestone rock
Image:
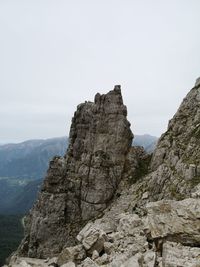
x: 93, y: 238
x: 197, y: 82
x: 30, y: 262
x: 75, y: 254
x: 176, y: 159
x: 177, y: 221
x: 69, y: 264
x: 177, y: 255
x: 88, y: 263
x: 79, y: 186
x: 127, y: 208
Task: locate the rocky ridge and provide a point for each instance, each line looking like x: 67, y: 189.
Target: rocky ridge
x: 80, y: 185
x: 175, y: 163
x: 129, y: 229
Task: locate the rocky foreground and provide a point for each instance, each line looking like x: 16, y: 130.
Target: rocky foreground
x: 108, y: 204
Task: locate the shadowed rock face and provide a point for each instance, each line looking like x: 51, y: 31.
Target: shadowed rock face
x: 79, y: 186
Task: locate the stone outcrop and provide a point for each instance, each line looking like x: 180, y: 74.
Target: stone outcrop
x: 145, y: 212
x: 71, y: 254
x: 79, y: 186
x: 175, y: 255
x: 176, y: 159
x: 177, y: 221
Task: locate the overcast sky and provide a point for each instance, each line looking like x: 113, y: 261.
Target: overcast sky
x: 57, y: 54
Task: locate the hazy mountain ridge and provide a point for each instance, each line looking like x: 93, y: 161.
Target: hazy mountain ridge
x: 24, y: 165
x: 20, y: 196
x: 22, y: 168
x: 147, y: 141
x: 9, y: 189
x: 21, y: 192
x: 30, y: 159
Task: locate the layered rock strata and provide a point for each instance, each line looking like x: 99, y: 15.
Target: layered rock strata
x: 79, y: 186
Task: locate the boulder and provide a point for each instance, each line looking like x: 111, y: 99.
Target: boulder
x: 76, y: 254
x: 150, y: 259
x: 177, y: 255
x: 108, y: 247
x: 92, y: 238
x: 135, y: 261
x: 88, y: 263
x: 177, y: 221
x: 95, y: 255
x: 128, y: 222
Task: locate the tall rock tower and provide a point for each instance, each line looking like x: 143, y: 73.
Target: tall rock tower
x: 79, y: 186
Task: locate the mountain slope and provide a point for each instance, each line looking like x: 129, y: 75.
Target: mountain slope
x: 147, y: 141
x: 30, y: 159
x: 89, y: 190
x: 23, y: 200
x: 176, y: 159
x: 11, y: 232
x: 21, y: 164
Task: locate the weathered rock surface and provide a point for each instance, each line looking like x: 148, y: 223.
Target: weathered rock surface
x: 30, y: 262
x: 177, y: 221
x: 93, y: 238
x: 69, y: 264
x: 88, y: 263
x: 196, y: 192
x: 100, y: 166
x: 123, y: 244
x: 79, y: 186
x: 175, y: 255
x: 176, y: 159
x: 71, y: 254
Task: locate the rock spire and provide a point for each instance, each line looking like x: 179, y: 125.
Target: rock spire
x: 132, y: 230
x: 79, y: 186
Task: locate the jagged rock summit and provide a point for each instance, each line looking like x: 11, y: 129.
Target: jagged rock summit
x: 79, y: 186
x: 130, y: 212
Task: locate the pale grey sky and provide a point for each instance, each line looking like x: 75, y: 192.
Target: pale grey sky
x: 55, y: 54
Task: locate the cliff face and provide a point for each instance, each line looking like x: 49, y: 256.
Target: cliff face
x: 79, y: 186
x: 176, y: 159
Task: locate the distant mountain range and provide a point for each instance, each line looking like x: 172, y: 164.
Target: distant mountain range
x: 147, y: 141
x: 23, y: 167
x: 29, y: 160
